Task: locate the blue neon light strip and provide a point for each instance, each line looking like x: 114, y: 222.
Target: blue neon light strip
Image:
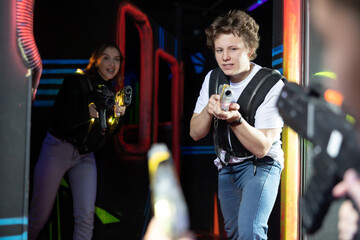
x: 13, y: 221
x: 47, y: 92
x: 146, y: 214
x: 43, y: 103
x: 256, y: 5
x: 59, y: 71
x: 198, y: 69
x: 65, y: 61
x: 161, y: 38
x: 197, y: 147
x: 277, y: 61
x: 200, y: 56
x: 196, y: 60
x: 22, y: 236
x: 52, y: 81
x: 56, y: 81
x: 197, y: 150
x: 176, y: 48
x: 277, y: 50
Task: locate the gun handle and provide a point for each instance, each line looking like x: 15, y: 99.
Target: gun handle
x: 318, y: 195
x: 102, y: 118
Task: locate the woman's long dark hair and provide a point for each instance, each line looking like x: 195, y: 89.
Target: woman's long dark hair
x: 91, y: 68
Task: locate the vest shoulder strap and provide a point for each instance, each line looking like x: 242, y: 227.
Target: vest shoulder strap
x: 253, y: 94
x: 250, y: 99
x: 217, y: 77
x: 256, y: 91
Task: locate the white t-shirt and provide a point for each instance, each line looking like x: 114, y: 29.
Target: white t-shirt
x: 266, y: 116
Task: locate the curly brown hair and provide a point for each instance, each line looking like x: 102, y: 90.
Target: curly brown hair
x: 238, y: 23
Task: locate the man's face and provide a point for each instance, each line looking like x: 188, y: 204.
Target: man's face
x: 232, y: 56
x: 340, y: 31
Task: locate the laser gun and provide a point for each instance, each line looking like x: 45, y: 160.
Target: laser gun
x: 104, y: 100
x: 226, y: 95
x: 336, y: 148
x: 124, y: 96
x: 166, y: 195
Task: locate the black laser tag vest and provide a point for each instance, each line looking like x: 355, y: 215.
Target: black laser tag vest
x: 249, y: 100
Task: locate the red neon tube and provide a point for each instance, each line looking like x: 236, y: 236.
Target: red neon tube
x: 128, y: 12
x: 175, y: 102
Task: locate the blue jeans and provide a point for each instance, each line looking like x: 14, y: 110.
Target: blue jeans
x: 56, y: 158
x: 246, y: 199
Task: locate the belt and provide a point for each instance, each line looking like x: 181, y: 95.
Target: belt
x: 227, y: 162
x: 227, y: 158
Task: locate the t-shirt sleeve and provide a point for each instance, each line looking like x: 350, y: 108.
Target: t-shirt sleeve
x: 267, y: 115
x: 203, y: 98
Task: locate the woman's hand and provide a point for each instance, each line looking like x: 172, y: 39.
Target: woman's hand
x: 119, y: 110
x: 92, y: 111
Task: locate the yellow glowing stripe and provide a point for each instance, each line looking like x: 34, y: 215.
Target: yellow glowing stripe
x: 290, y: 186
x: 350, y: 119
x: 326, y: 74
x: 290, y: 179
x: 156, y: 159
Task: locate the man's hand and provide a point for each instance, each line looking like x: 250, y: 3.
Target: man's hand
x: 213, y: 103
x: 348, y: 215
x: 232, y: 115
x: 348, y: 221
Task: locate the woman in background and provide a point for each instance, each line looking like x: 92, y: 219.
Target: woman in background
x: 75, y: 133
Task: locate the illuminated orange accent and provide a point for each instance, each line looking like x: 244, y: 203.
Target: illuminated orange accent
x: 290, y: 179
x: 334, y: 97
x: 216, y: 217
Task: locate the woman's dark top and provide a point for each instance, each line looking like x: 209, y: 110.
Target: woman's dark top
x: 70, y: 118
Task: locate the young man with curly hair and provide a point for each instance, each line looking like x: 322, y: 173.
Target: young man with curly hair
x: 249, y: 155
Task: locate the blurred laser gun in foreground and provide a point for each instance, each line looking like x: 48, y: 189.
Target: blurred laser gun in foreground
x: 226, y: 95
x: 335, y: 148
x: 124, y: 96
x: 167, y: 198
